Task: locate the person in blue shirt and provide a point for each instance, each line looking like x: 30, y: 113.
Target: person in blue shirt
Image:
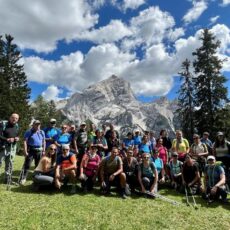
x: 51, y: 132
x: 144, y: 146
x: 64, y: 138
x: 137, y: 137
x: 128, y: 142
x: 159, y: 166
x: 34, y: 148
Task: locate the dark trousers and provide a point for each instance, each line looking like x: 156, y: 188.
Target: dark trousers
x: 87, y: 183
x: 221, y: 192
x: 32, y: 155
x: 43, y: 179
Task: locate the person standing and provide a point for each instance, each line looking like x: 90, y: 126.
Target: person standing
x: 9, y: 136
x: 34, y: 148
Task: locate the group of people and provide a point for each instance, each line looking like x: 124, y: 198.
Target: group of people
x: 139, y: 162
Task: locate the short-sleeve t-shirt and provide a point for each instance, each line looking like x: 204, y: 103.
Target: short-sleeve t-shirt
x: 128, y: 142
x: 180, y: 147
x: 158, y: 163
x: 175, y: 168
x: 111, y: 165
x: 213, y: 173
x: 66, y: 161
x: 189, y: 172
x: 35, y: 138
x: 64, y: 138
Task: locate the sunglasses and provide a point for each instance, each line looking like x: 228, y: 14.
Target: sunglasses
x: 145, y: 157
x: 65, y: 149
x: 64, y: 127
x: 195, y: 138
x: 53, y: 149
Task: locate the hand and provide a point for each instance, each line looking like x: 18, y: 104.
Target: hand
x: 81, y: 177
x: 190, y: 184
x: 143, y: 190
x: 16, y: 139
x: 111, y: 178
x: 103, y: 184
x: 213, y: 190
x: 10, y: 140
x: 162, y: 180
x: 26, y: 154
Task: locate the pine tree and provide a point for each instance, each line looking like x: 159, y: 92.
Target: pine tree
x: 186, y: 101
x: 15, y: 92
x: 211, y: 94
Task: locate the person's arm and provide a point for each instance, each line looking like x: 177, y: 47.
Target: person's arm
x: 82, y: 166
x: 155, y: 181
x: 120, y: 170
x: 57, y: 171
x: 140, y: 179
x: 73, y: 165
x: 221, y: 182
x: 205, y: 153
x: 196, y: 179
x: 25, y: 147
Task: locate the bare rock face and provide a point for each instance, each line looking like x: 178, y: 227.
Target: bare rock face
x: 113, y: 101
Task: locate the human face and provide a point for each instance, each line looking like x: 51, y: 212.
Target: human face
x: 129, y: 153
x: 179, y: 135
x: 196, y: 139
x: 114, y: 153
x: 211, y: 162
x: 146, y: 157
x: 14, y: 118
x: 52, y: 149
x: 65, y: 151
x: 64, y: 128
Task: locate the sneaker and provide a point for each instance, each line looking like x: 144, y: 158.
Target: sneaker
x: 73, y: 189
x: 22, y: 182
x: 123, y: 196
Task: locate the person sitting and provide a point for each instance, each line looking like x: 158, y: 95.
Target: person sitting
x: 191, y: 175
x: 89, y: 169
x: 44, y: 172
x: 66, y: 166
x: 175, y: 167
x: 214, y: 181
x: 147, y: 175
x: 130, y: 166
x: 199, y: 152
x: 111, y: 173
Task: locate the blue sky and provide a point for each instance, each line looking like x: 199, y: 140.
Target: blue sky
x: 69, y: 45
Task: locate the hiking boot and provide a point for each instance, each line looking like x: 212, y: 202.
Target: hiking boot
x: 127, y: 190
x: 73, y: 189
x: 123, y: 195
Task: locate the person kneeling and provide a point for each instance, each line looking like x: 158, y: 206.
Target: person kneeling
x: 111, y: 172
x: 66, y: 166
x: 147, y: 175
x: 44, y: 172
x: 191, y: 176
x: 89, y: 168
x: 214, y: 181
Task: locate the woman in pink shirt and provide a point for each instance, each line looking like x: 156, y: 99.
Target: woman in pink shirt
x: 163, y: 152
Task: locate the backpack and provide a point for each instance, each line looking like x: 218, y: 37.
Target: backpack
x: 3, y: 125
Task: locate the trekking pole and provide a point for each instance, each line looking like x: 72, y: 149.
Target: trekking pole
x: 194, y: 201
x: 186, y: 194
x: 171, y: 201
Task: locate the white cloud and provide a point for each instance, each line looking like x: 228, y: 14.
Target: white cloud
x: 112, y: 32
x: 51, y: 93
x: 151, y: 25
x: 40, y: 24
x: 127, y: 4
x: 195, y: 12
x: 226, y: 2
x: 214, y: 19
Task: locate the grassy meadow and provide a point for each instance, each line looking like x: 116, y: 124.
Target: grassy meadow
x: 21, y: 208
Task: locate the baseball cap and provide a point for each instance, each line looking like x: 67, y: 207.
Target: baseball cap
x: 36, y: 122
x: 65, y: 146
x: 206, y: 133
x: 136, y: 131
x: 52, y: 120
x: 210, y: 158
x: 220, y: 134
x: 83, y: 123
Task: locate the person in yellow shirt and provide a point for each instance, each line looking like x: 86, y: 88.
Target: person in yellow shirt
x: 180, y: 145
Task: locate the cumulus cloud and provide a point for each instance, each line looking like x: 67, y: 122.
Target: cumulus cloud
x: 39, y: 24
x: 112, y: 32
x: 195, y: 12
x: 51, y: 93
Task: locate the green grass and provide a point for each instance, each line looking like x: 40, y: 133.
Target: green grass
x: 21, y: 208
